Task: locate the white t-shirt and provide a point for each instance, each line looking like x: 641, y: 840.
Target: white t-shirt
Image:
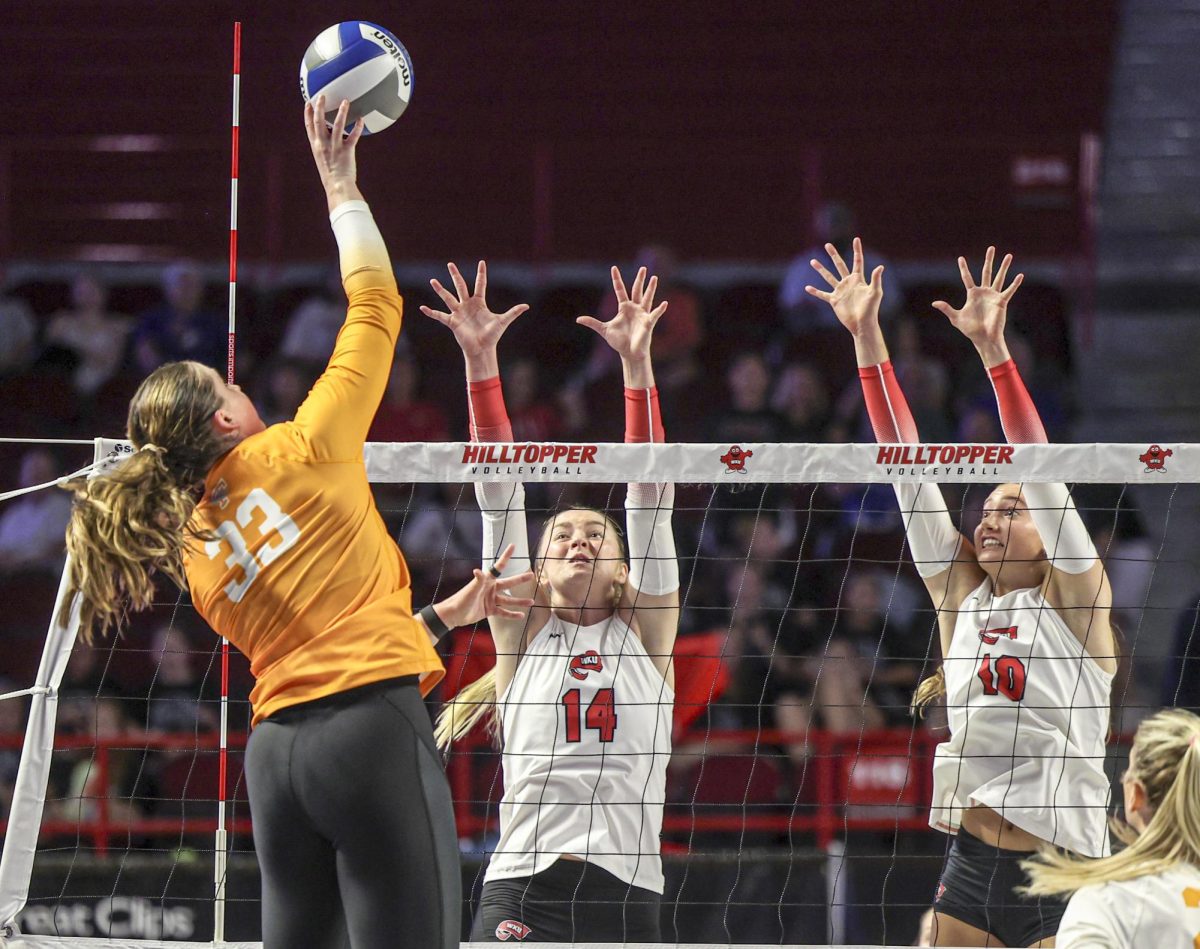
x: 1028, y: 712
x: 1161, y: 911
x: 587, y: 737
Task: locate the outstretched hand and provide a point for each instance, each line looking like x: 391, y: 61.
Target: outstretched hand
x: 630, y: 331
x: 983, y: 315
x: 332, y: 149
x: 476, y: 328
x: 855, y: 300
x: 487, y: 595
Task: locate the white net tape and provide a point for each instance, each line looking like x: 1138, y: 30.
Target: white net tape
x: 855, y: 766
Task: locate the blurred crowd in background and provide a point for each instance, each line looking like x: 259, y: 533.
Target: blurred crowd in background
x: 803, y: 591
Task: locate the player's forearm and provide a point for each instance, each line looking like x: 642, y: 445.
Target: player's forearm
x: 637, y: 371
x: 482, y: 365
x: 869, y: 346
x: 340, y: 190
x: 362, y: 254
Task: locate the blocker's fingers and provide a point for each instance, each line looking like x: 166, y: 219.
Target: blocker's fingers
x: 446, y: 295
x: 657, y: 312
x: 820, y: 268
x: 619, y: 286
x: 819, y: 294
x: 1017, y: 281
x: 511, y: 314
x: 481, y: 279
x: 965, y: 271
x: 459, y: 283
x: 648, y: 295
x: 945, y: 308
x: 998, y: 283
x: 639, y: 280
x: 877, y: 276
x: 591, y: 323
x: 985, y: 278
x: 837, y: 260
x: 858, y: 256
x: 435, y: 314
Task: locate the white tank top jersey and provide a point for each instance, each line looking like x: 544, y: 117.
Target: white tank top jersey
x: 1028, y: 712
x: 587, y: 737
x: 1160, y: 911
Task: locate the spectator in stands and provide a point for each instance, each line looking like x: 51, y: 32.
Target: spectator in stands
x: 834, y: 224
x: 403, y: 416
x: 288, y: 382
x: 802, y: 398
x: 749, y: 417
x: 126, y: 788
x: 442, y: 535
x: 313, y: 326
x: 95, y: 336
x: 18, y: 329
x: 12, y: 726
x: 863, y: 676
x: 180, y: 327
x: 534, y: 418
x: 926, y: 382
x: 1181, y: 679
x: 179, y: 700
x: 33, y: 527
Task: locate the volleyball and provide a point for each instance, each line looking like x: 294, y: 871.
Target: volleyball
x: 364, y: 64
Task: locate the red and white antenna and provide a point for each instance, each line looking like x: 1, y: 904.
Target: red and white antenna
x: 221, y: 855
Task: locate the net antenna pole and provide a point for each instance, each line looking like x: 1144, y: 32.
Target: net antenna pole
x: 221, y: 852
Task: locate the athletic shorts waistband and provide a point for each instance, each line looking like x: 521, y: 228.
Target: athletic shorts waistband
x: 342, y: 699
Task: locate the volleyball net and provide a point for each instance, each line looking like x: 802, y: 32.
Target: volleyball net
x: 798, y: 790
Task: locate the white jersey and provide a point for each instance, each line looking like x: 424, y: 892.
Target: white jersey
x: 1161, y: 911
x: 587, y: 737
x: 1028, y: 712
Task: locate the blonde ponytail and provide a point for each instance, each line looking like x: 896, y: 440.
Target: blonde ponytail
x: 472, y: 704
x: 1166, y: 759
x: 131, y: 525
x: 929, y: 690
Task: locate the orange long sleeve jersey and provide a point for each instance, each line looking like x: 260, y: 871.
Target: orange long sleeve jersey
x: 303, y: 576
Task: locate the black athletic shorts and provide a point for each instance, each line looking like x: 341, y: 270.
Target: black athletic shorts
x: 570, y: 901
x: 353, y: 824
x: 978, y: 887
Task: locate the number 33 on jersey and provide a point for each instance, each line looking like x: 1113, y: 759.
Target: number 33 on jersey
x: 277, y: 530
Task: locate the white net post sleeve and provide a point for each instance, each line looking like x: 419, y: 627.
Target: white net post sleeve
x: 29, y: 791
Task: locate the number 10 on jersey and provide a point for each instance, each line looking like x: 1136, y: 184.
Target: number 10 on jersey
x: 601, y: 715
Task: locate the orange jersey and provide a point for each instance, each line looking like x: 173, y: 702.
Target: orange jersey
x: 303, y: 576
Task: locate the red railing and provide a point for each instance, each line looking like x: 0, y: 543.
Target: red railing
x: 734, y: 785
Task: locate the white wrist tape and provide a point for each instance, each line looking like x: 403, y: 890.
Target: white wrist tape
x: 360, y: 245
x: 503, y: 509
x: 1067, y: 541
x: 933, y: 540
x: 653, y: 563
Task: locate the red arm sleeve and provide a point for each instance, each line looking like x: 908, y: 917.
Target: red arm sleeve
x: 891, y: 418
x: 1018, y: 415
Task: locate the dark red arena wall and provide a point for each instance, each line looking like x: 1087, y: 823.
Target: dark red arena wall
x: 560, y: 130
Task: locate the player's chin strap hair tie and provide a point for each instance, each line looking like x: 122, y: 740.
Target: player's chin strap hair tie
x: 157, y: 449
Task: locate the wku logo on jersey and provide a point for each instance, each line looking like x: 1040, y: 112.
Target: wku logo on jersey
x: 993, y: 636
x: 512, y: 929
x: 581, y: 665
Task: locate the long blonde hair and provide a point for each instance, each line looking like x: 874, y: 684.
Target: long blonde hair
x: 131, y: 524
x: 477, y: 701
x: 1165, y: 758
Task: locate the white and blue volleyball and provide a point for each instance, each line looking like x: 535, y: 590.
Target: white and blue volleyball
x: 363, y: 63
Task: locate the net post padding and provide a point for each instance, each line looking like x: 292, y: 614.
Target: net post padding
x: 29, y: 791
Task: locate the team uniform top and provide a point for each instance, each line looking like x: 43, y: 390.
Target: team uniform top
x: 593, y: 694
x: 1028, y: 711
x: 302, y: 575
x: 1160, y: 911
